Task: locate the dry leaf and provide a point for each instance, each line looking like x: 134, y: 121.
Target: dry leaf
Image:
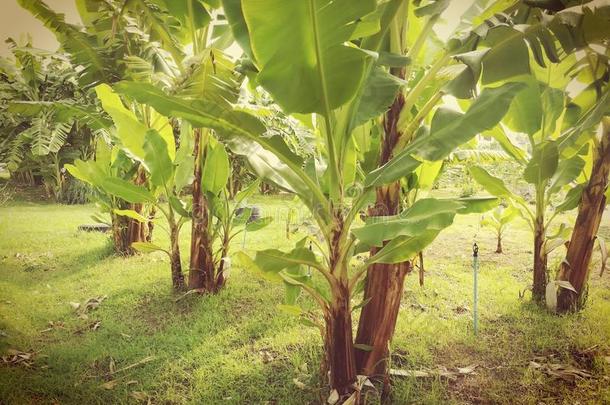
x: 110, y: 384
x: 74, y: 305
x: 467, y: 370
x: 333, y: 398
x: 137, y: 363
x: 95, y: 325
x: 409, y: 373
x: 562, y: 371
x: 440, y: 371
x: 139, y: 395
x: 351, y: 400
x: 16, y: 357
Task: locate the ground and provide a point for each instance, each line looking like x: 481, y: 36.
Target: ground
x: 140, y: 344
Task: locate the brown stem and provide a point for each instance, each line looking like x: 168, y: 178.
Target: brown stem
x: 136, y: 231
x: 540, y: 261
x: 119, y: 235
x: 575, y: 268
x: 220, y: 276
x: 201, y: 270
x: 339, y: 345
x: 175, y: 261
x: 384, y: 282
x: 499, y: 246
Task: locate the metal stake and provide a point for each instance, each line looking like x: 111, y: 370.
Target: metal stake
x: 475, y: 267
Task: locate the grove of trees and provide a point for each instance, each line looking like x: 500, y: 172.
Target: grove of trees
x: 165, y: 112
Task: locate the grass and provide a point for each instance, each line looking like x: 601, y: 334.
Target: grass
x: 236, y: 347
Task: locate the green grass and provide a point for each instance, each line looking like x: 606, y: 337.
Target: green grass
x: 236, y: 347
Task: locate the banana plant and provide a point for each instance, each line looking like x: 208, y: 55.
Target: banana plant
x: 112, y: 163
x: 335, y: 83
x: 594, y: 191
x: 40, y: 140
x: 154, y: 150
x: 557, y: 128
x: 105, y: 49
x: 575, y: 268
x: 557, y: 139
x: 169, y: 170
x: 334, y: 75
x: 499, y: 220
x: 178, y: 46
x: 489, y: 34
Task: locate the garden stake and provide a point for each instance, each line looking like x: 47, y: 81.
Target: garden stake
x: 475, y: 267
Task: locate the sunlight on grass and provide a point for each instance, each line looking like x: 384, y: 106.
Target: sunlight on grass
x: 236, y: 347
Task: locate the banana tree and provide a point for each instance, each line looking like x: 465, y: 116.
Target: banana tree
x: 499, y: 220
x: 168, y: 170
x: 40, y: 140
x: 553, y: 167
x: 335, y: 82
x: 174, y: 44
x: 557, y: 126
x: 477, y: 51
x: 593, y: 190
x: 575, y: 268
x: 105, y: 49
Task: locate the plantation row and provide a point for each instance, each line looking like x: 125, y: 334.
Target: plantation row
x: 177, y: 111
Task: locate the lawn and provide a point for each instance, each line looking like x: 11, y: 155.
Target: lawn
x: 142, y: 344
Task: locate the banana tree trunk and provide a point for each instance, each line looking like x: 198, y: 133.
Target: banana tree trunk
x: 175, y: 260
x: 201, y: 271
x: 125, y: 230
x: 499, y: 244
x: 339, y: 344
x: 575, y: 268
x: 540, y: 261
x: 136, y: 231
x: 384, y: 282
x: 220, y: 273
x: 119, y: 235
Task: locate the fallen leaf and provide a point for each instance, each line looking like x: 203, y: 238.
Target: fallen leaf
x: 467, y: 370
x: 95, y: 325
x: 409, y: 373
x: 109, y: 385
x: 16, y: 357
x: 137, y: 363
x: 139, y: 395
x: 333, y: 398
x: 74, y: 305
x: 351, y: 400
x: 562, y: 371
